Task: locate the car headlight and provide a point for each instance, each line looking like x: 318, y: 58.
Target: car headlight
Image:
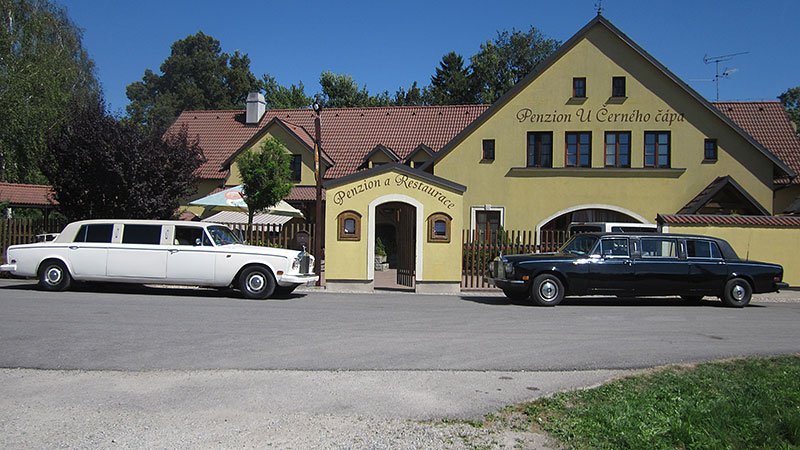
x: 509, y: 268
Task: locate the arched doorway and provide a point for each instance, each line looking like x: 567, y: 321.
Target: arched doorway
x: 552, y: 231
x: 395, y: 235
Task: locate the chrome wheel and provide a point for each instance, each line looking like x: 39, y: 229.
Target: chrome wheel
x: 738, y: 292
x: 548, y: 290
x: 255, y: 283
x: 53, y: 275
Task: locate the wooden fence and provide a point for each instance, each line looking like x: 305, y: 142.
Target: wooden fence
x: 478, y: 252
x: 24, y: 231
x: 288, y: 235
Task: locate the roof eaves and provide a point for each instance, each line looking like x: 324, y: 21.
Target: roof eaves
x: 399, y: 167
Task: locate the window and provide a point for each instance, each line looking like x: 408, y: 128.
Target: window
x: 618, y: 87
x: 487, y: 225
x: 656, y: 149
x: 579, y: 87
x: 488, y: 149
x: 190, y: 236
x: 141, y: 234
x: 702, y: 249
x: 710, y: 150
x: 349, y: 226
x: 439, y: 227
x: 614, y: 247
x: 95, y: 233
x: 579, y: 149
x: 659, y: 248
x: 618, y: 149
x: 540, y: 149
x: 295, y: 165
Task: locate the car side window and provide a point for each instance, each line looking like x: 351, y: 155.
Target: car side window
x: 615, y: 247
x: 659, y: 248
x: 189, y: 236
x: 141, y: 234
x: 698, y: 248
x: 100, y: 232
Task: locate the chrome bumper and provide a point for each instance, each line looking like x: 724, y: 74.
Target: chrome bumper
x: 298, y: 279
x: 8, y: 268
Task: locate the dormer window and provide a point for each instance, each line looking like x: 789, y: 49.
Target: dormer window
x: 295, y: 166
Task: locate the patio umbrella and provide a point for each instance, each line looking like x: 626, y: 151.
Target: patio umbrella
x: 231, y: 200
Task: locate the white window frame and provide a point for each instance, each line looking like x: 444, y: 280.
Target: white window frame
x: 473, y: 214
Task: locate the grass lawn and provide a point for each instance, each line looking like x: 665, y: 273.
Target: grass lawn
x: 742, y: 404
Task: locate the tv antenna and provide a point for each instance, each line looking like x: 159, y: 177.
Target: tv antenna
x: 598, y: 5
x: 726, y: 72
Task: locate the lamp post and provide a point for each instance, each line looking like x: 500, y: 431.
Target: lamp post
x: 319, y: 225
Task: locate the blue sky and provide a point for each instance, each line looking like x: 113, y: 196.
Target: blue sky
x: 386, y: 44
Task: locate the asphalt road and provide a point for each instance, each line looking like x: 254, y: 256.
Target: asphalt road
x: 117, y: 366
x: 124, y: 328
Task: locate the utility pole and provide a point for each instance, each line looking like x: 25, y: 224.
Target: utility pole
x: 319, y: 220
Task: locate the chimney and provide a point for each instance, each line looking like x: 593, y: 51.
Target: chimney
x: 256, y: 106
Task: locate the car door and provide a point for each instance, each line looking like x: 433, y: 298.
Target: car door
x: 658, y: 268
x: 708, y: 271
x: 88, y: 252
x: 140, y: 255
x: 611, y: 268
x: 191, y: 256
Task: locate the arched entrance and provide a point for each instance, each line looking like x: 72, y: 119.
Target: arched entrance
x: 551, y: 232
x: 395, y: 225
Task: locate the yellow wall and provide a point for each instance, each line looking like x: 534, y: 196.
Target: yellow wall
x: 292, y: 145
x: 349, y: 260
x: 529, y: 196
x: 774, y: 245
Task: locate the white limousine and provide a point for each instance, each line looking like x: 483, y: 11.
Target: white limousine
x: 160, y: 252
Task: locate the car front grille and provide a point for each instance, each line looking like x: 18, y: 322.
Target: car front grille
x: 496, y: 269
x: 305, y: 264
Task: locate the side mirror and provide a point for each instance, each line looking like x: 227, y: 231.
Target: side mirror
x: 198, y: 242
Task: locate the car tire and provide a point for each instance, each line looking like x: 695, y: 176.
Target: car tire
x: 547, y: 290
x: 54, y: 276
x: 284, y: 291
x: 516, y: 295
x: 692, y: 298
x: 256, y: 282
x: 737, y: 293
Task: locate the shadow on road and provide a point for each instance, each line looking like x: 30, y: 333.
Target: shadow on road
x: 138, y: 289
x: 605, y: 301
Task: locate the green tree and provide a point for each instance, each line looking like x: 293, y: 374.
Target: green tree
x: 452, y: 84
x: 281, y: 97
x: 791, y: 102
x: 100, y: 167
x: 44, y: 69
x: 265, y: 177
x: 414, y: 96
x: 502, y: 63
x: 341, y: 91
x: 196, y: 75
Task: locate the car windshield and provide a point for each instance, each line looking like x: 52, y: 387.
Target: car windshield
x: 223, y: 235
x: 581, y: 244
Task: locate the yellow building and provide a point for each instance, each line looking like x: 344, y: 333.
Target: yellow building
x: 601, y: 131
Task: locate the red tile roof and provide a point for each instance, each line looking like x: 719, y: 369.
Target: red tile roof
x: 348, y: 134
x: 769, y: 124
x: 27, y: 194
x: 303, y: 193
x: 760, y: 221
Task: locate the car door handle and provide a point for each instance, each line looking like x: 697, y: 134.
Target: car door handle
x: 73, y: 247
x: 173, y: 250
x: 628, y: 262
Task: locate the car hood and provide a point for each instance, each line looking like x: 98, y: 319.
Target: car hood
x: 258, y: 250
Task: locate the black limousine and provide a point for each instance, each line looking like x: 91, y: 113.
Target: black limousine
x: 628, y: 265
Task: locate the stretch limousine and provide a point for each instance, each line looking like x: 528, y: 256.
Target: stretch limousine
x: 160, y: 252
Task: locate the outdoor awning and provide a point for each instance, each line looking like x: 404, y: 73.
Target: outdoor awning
x: 238, y: 217
x: 231, y: 200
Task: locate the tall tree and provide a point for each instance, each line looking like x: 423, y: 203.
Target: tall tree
x: 278, y: 96
x: 196, y: 75
x: 451, y: 84
x: 414, y: 96
x: 100, y: 167
x: 502, y: 63
x: 43, y: 70
x: 265, y: 177
x: 791, y: 102
x: 341, y: 91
